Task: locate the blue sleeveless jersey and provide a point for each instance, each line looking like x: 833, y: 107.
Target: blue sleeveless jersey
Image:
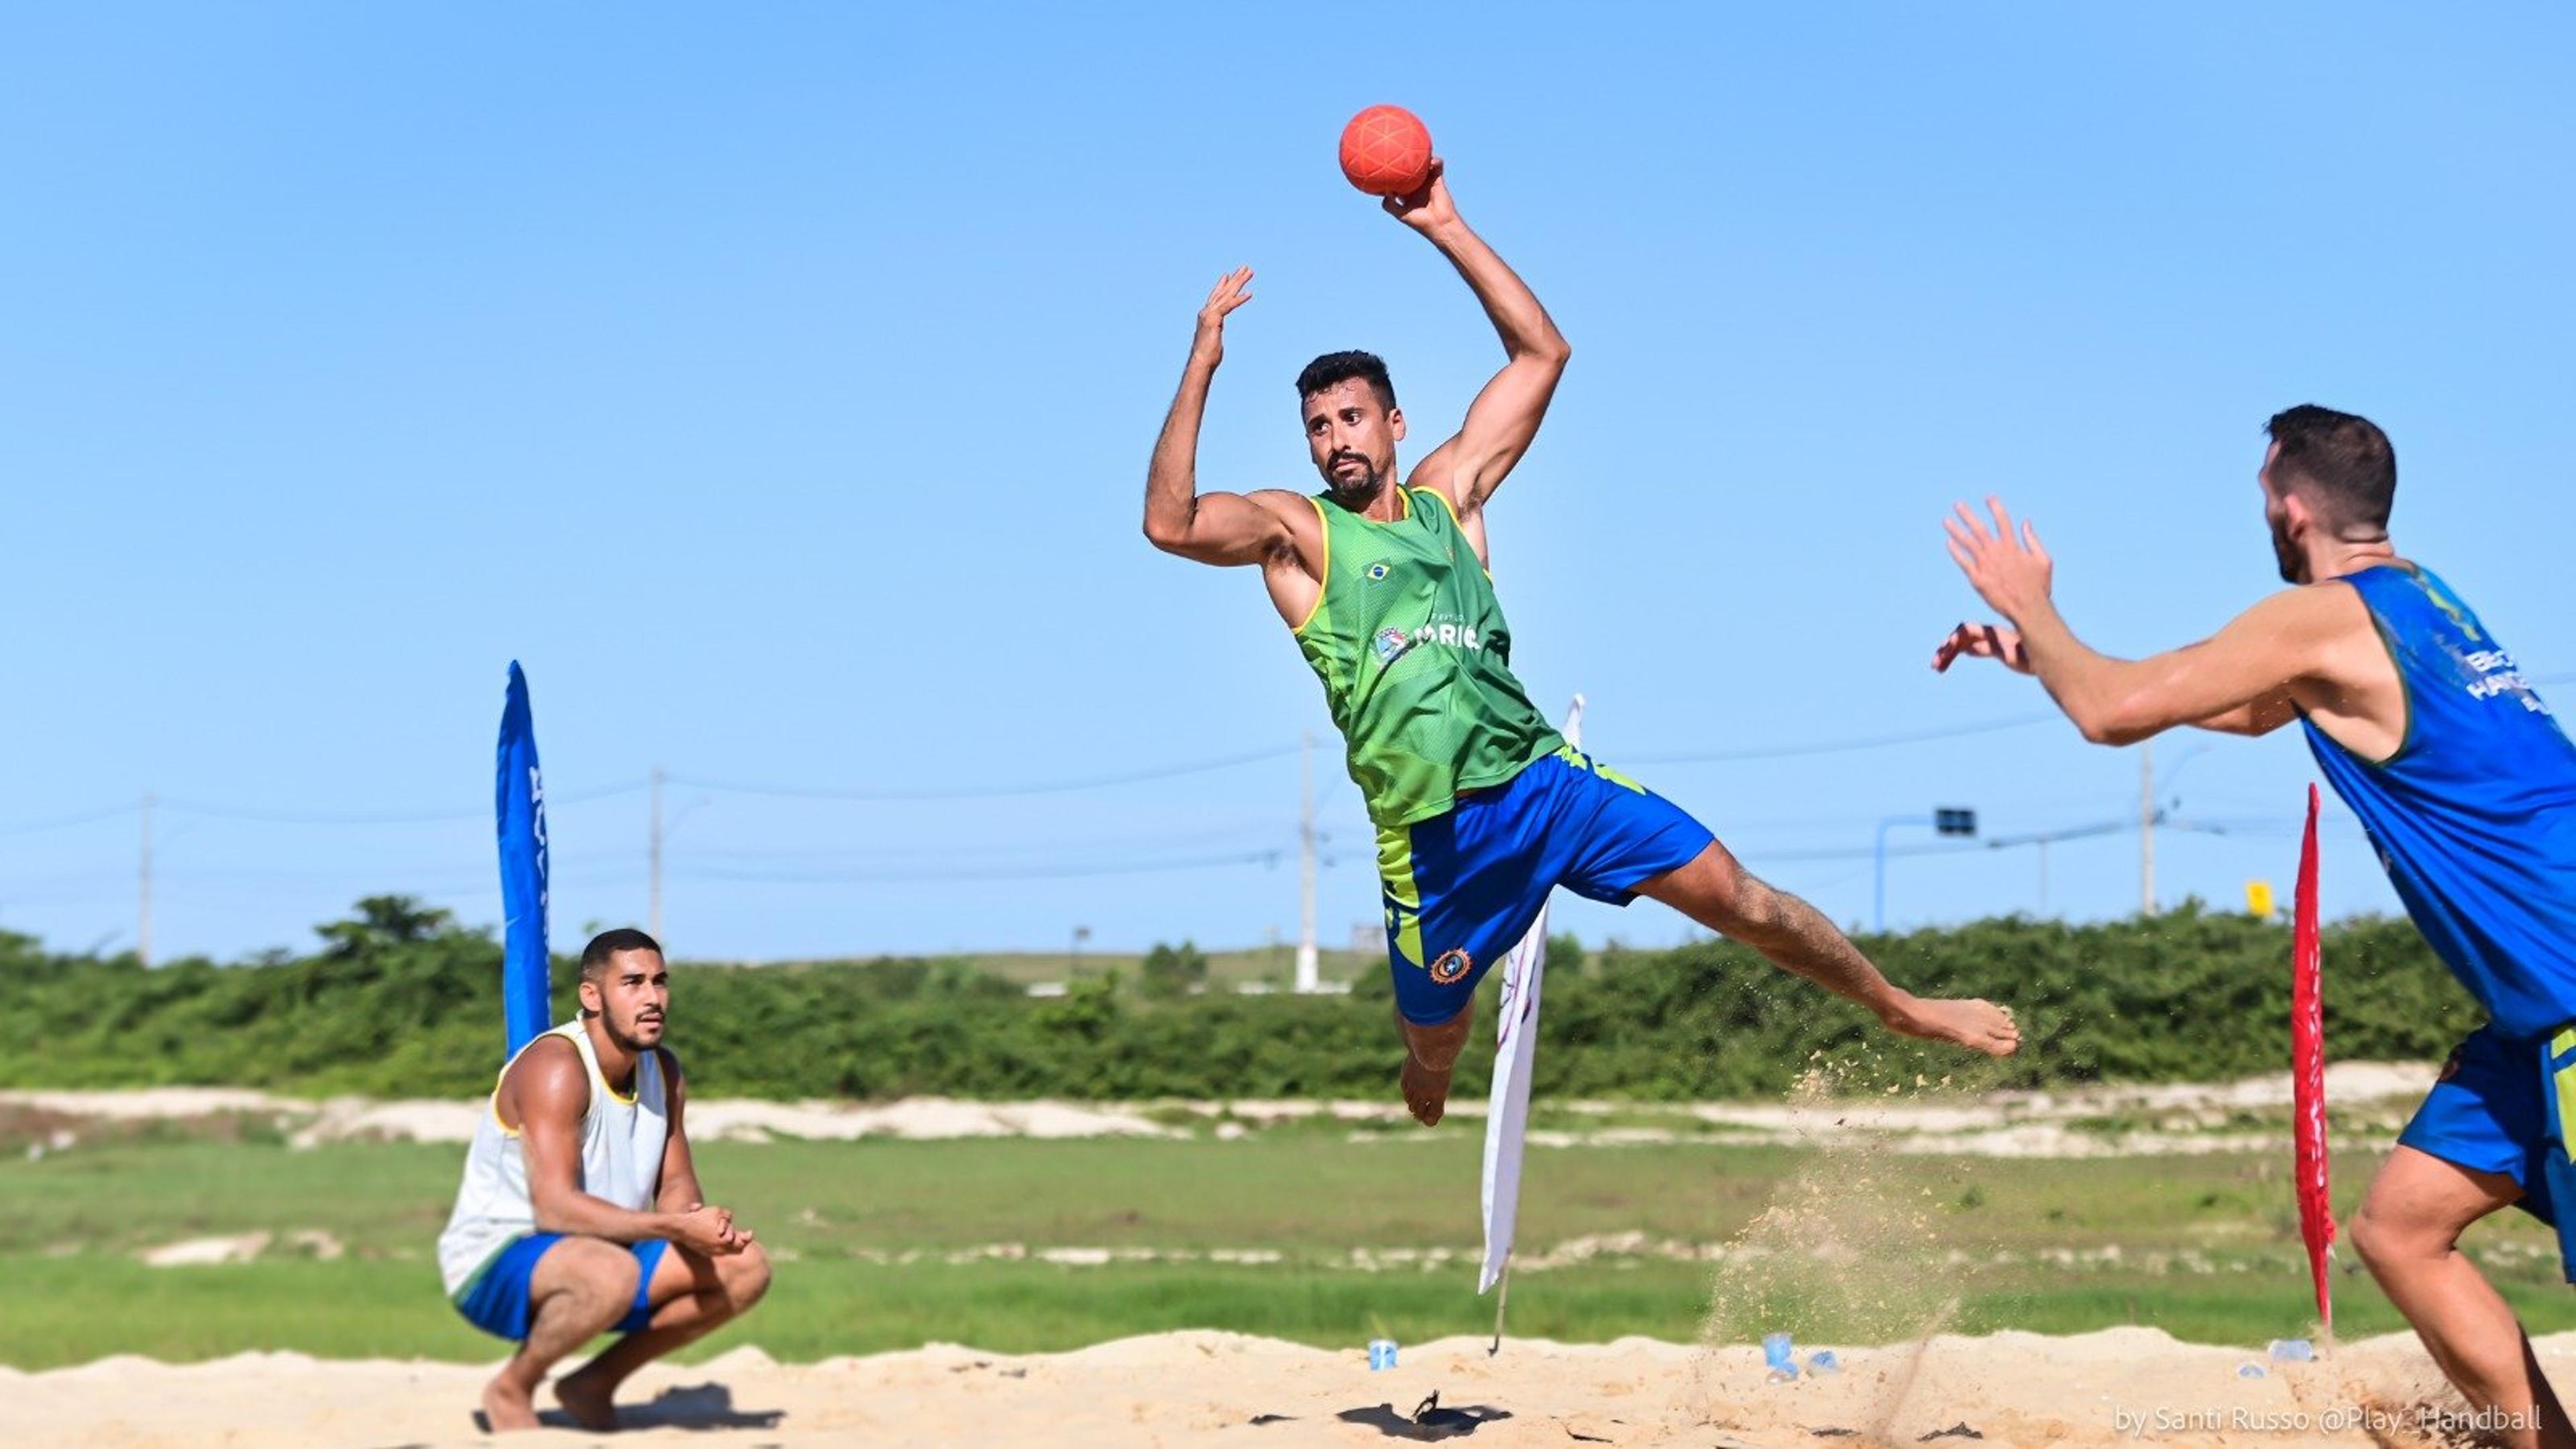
x: 2474, y: 817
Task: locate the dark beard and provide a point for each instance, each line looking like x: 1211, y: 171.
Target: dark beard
x: 1362, y: 490
x: 619, y: 1036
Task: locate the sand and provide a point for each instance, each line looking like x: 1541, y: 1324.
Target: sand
x: 1201, y: 1388
x: 1215, y: 1389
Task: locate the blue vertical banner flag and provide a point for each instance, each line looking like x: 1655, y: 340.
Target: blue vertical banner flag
x: 520, y: 801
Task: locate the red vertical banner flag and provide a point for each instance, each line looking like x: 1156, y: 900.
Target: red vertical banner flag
x: 2308, y: 1072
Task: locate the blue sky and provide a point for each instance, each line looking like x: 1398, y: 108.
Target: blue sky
x: 777, y: 385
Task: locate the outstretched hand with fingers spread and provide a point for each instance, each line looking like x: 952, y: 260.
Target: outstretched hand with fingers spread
x: 1222, y: 299
x: 2011, y: 573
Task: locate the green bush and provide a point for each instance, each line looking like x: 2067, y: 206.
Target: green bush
x: 400, y: 1000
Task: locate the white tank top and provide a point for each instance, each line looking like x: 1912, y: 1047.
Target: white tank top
x: 621, y: 1161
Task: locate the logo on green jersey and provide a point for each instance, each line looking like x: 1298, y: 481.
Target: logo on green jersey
x: 1394, y: 644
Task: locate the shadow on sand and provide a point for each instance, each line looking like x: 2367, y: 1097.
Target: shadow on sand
x: 1427, y: 1421
x: 682, y: 1406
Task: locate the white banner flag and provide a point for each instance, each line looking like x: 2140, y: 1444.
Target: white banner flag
x: 1515, y: 1047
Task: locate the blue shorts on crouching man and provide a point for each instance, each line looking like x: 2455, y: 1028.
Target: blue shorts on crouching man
x: 1461, y: 889
x: 496, y: 1301
x: 2504, y: 1105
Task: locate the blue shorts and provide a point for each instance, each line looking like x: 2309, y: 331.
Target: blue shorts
x: 497, y: 1300
x: 1462, y: 888
x: 2501, y: 1106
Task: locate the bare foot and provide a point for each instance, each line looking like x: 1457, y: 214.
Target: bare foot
x: 1426, y: 1092
x: 587, y: 1400
x: 506, y: 1406
x: 1977, y: 1025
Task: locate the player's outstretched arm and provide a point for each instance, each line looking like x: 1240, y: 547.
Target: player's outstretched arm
x: 1213, y: 528
x: 2243, y: 679
x: 1994, y: 641
x: 1506, y: 414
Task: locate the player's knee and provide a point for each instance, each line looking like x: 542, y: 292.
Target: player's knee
x: 2371, y: 1238
x: 2383, y: 1239
x: 745, y: 1275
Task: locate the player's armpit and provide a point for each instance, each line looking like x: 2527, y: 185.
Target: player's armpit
x: 1500, y: 425
x: 1225, y: 529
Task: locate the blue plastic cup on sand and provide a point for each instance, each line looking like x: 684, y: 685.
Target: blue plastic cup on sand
x: 1381, y: 1354
x: 1777, y: 1354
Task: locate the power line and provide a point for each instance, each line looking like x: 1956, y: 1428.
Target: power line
x: 257, y: 815
x: 861, y: 855
x: 65, y: 822
x: 989, y: 792
x: 1204, y: 862
x: 423, y: 817
x: 1836, y: 747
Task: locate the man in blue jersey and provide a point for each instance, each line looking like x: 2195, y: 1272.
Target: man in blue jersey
x: 2467, y: 787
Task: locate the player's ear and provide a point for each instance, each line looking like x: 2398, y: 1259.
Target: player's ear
x: 588, y: 995
x: 2297, y: 518
x: 1395, y: 423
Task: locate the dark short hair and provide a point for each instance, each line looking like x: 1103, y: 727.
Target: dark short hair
x: 1335, y: 367
x: 2343, y: 459
x: 604, y: 946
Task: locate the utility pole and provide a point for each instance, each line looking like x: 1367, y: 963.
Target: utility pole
x: 1306, y: 973
x: 143, y: 922
x: 653, y: 858
x: 2146, y: 828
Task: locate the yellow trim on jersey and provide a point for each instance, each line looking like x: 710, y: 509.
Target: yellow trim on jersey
x: 1323, y: 566
x: 492, y: 1103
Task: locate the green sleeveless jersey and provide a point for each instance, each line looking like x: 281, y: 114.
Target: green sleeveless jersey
x: 1414, y: 654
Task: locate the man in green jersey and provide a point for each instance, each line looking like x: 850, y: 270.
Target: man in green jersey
x: 1481, y: 808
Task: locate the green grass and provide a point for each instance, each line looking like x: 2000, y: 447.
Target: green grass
x: 1832, y: 1245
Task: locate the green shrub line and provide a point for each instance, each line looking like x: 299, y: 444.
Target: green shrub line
x: 402, y: 1001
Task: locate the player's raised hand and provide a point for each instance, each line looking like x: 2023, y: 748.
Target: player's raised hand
x: 1209, y: 344
x: 2011, y: 572
x: 1429, y: 207
x: 1982, y: 641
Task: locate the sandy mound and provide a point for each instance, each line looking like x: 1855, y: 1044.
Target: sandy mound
x: 2090, y: 1121
x: 2118, y: 1386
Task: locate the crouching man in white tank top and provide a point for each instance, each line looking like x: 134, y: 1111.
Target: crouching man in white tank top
x: 581, y: 1212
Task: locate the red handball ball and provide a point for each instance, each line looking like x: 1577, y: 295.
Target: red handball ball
x: 1386, y: 151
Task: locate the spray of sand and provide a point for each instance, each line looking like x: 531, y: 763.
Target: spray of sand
x: 1852, y: 1249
